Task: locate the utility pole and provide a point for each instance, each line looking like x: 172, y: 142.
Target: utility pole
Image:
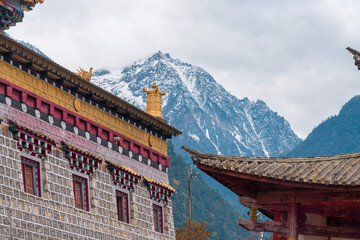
x: 190, y: 176
x: 261, y: 233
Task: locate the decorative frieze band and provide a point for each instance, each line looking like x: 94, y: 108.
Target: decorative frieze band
x: 57, y: 115
x: 123, y: 176
x: 30, y: 141
x: 68, y: 104
x: 159, y: 192
x: 80, y: 160
x: 64, y: 77
x: 38, y: 145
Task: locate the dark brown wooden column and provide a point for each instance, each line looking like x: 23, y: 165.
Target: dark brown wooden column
x: 293, y: 221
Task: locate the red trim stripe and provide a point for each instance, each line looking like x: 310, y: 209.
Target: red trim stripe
x: 61, y: 113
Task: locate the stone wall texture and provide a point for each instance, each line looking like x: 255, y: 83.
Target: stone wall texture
x: 53, y: 215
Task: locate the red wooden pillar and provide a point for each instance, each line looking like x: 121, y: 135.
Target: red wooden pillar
x: 9, y: 91
x: 277, y: 219
x: 293, y: 221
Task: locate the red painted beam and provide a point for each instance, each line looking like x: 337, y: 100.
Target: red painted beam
x: 62, y: 113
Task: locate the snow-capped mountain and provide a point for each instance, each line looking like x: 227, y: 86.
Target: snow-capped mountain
x: 212, y: 120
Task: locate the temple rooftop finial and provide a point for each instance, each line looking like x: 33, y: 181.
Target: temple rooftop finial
x: 153, y: 103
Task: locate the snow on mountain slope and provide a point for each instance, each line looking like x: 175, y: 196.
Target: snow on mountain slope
x: 212, y: 120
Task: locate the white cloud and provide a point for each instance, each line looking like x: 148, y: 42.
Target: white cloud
x: 289, y: 54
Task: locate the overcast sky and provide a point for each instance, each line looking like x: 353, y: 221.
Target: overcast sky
x: 290, y: 54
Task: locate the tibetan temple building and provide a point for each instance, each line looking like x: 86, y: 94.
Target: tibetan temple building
x: 310, y: 198
x: 77, y: 162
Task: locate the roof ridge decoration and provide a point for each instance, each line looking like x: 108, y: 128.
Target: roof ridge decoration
x: 80, y: 160
x: 123, y: 176
x: 341, y: 170
x: 159, y: 192
x: 33, y: 142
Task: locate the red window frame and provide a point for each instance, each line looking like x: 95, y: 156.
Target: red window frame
x: 81, y: 198
x: 31, y: 176
x: 158, y: 218
x: 122, y: 200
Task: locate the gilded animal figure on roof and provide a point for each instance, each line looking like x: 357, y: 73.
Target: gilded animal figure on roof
x: 84, y: 74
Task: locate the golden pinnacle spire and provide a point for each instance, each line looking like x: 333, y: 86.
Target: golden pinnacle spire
x: 153, y: 103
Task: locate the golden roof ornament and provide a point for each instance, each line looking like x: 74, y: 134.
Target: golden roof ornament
x: 84, y: 74
x: 153, y: 103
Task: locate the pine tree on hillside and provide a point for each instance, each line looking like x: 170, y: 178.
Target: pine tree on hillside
x: 193, y: 231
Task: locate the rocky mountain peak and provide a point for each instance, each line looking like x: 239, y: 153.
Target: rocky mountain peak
x: 159, y: 55
x: 212, y: 119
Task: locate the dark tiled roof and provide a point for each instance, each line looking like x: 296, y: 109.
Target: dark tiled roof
x: 329, y: 170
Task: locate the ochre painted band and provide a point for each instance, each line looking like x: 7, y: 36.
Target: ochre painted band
x: 66, y: 100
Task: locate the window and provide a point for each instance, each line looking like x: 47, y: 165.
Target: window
x: 31, y: 176
x: 158, y: 219
x: 122, y: 206
x: 81, y: 192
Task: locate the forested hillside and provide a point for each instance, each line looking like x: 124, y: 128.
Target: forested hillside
x: 337, y: 135
x: 207, y: 204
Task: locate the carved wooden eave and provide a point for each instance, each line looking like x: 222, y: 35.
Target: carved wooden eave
x: 288, y: 189
x: 331, y: 172
x: 40, y: 63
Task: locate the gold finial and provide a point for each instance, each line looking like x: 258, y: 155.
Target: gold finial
x: 153, y: 103
x: 84, y: 74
